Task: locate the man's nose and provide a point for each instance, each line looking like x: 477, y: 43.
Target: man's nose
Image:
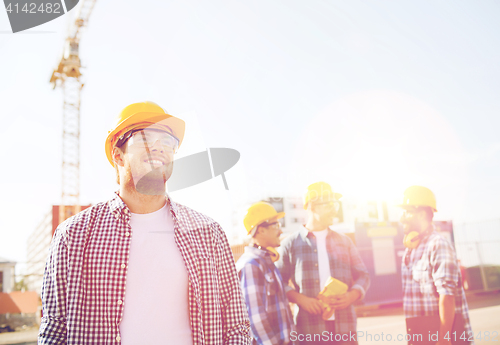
x: 157, y: 146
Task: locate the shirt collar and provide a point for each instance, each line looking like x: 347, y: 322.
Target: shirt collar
x: 173, y: 206
x: 256, y: 251
x: 423, y: 241
x: 426, y: 235
x: 304, y: 233
x: 117, y: 206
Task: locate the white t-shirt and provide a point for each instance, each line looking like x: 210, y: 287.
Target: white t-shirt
x: 156, y: 296
x: 323, y: 260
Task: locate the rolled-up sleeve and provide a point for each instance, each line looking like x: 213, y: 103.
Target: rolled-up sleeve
x: 360, y: 275
x: 53, y: 322
x: 287, y: 270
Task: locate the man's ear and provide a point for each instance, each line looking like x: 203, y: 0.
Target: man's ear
x: 421, y: 215
x: 259, y: 230
x: 117, y: 155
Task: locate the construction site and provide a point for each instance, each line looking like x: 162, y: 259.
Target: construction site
x: 274, y: 97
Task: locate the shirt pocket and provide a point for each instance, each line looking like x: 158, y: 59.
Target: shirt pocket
x: 271, y: 284
x: 420, y: 273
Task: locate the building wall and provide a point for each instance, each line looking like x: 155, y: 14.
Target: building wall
x: 38, y: 249
x: 295, y: 215
x: 7, y: 274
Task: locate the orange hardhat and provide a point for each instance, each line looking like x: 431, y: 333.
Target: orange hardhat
x: 138, y: 115
x: 320, y: 191
x: 418, y: 196
x: 259, y: 213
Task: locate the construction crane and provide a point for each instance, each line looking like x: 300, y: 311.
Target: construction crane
x: 67, y: 75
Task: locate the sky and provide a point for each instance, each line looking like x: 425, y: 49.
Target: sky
x: 370, y: 96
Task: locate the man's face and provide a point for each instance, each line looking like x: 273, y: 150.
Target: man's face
x: 148, y: 160
x: 325, y: 211
x: 411, y: 220
x: 270, y: 233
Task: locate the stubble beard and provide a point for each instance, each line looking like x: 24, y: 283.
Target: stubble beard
x: 411, y: 225
x: 328, y: 220
x: 152, y: 183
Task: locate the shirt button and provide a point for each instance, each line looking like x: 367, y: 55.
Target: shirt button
x: 118, y: 338
x: 127, y: 234
x: 315, y: 251
x: 316, y: 265
x: 122, y: 266
x: 120, y: 302
x: 317, y: 281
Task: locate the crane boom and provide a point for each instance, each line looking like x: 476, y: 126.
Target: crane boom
x: 67, y: 75
x: 82, y: 18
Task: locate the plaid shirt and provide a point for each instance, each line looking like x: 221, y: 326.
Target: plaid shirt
x: 299, y: 263
x: 432, y: 270
x: 83, y: 291
x: 262, y: 286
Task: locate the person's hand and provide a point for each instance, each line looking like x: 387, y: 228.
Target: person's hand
x: 311, y: 305
x: 344, y: 300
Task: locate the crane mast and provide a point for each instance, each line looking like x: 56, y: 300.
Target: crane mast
x: 67, y: 75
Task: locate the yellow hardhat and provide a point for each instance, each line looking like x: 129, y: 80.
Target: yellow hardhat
x: 416, y: 196
x: 320, y: 191
x: 259, y: 213
x: 143, y: 113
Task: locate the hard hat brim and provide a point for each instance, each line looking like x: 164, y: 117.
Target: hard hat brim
x: 177, y: 125
x: 280, y: 215
x: 277, y: 216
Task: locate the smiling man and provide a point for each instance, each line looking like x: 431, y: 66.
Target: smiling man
x: 140, y: 268
x: 263, y: 288
x: 312, y: 255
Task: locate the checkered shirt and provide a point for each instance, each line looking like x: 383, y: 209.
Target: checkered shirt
x: 83, y: 291
x: 299, y: 263
x: 270, y: 316
x: 432, y: 270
